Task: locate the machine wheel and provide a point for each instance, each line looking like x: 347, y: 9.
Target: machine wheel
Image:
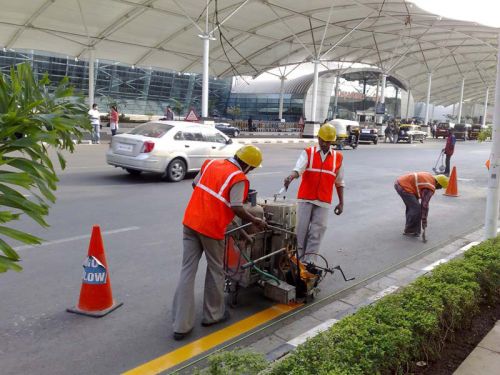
x: 176, y: 170
x: 133, y: 172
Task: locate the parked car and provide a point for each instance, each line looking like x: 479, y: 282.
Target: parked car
x: 474, y: 131
x: 369, y: 134
x: 442, y: 129
x: 461, y: 131
x: 227, y: 129
x: 169, y: 148
x: 411, y: 133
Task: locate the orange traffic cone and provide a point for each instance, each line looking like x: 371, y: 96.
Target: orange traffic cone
x: 452, y: 189
x: 96, y: 298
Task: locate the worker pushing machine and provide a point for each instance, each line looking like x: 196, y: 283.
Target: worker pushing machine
x: 416, y: 190
x: 321, y: 169
x: 220, y: 189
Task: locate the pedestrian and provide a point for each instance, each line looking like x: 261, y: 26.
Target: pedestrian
x: 113, y: 120
x: 169, y: 114
x: 388, y: 133
x: 250, y: 124
x: 321, y: 169
x: 95, y: 120
x: 416, y: 190
x: 449, y: 149
x: 220, y: 189
x: 433, y: 130
x: 395, y: 133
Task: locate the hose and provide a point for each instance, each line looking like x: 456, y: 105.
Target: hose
x: 263, y: 273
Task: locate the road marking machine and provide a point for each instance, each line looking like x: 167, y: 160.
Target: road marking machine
x: 269, y: 259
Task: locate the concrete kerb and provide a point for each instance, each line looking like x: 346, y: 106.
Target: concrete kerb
x: 366, y: 294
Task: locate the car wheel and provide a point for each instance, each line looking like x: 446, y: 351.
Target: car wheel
x: 176, y: 170
x: 133, y: 172
x: 422, y: 140
x: 410, y: 139
x: 375, y: 141
x: 236, y: 134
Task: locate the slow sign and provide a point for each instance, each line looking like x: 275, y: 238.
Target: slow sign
x: 94, y: 272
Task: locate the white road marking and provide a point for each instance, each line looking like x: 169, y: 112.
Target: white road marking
x: 465, y: 179
x: 462, y: 250
x: 389, y: 290
x: 75, y: 238
x: 312, y: 332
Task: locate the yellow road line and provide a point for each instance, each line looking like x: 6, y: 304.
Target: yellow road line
x: 210, y: 341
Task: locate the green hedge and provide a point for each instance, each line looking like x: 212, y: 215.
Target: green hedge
x: 385, y: 338
x: 410, y: 325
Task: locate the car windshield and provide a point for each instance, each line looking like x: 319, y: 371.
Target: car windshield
x: 443, y: 126
x: 153, y: 130
x: 459, y: 127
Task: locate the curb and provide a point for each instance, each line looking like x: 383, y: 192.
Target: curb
x: 271, y: 141
x: 280, y: 343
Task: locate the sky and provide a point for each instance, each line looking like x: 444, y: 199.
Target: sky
x: 485, y: 12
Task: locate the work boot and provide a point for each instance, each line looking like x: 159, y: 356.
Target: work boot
x: 224, y: 318
x: 181, y: 335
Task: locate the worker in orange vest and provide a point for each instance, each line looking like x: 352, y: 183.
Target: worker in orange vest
x: 321, y: 170
x: 220, y: 189
x: 416, y: 190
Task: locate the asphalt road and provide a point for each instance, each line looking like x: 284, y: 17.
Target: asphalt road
x: 141, y: 220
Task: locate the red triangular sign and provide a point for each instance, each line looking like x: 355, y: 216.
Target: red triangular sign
x: 191, y: 116
x: 301, y: 120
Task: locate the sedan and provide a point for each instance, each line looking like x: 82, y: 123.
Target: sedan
x: 369, y: 135
x: 228, y: 129
x: 168, y: 148
x: 411, y: 133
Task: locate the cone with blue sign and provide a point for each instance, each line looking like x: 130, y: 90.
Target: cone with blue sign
x: 96, y: 297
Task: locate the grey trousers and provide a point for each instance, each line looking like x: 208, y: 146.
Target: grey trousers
x: 413, y: 212
x: 183, y: 312
x: 311, y: 227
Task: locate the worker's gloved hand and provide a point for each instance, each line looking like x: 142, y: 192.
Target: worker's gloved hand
x: 288, y: 180
x: 339, y: 209
x: 260, y: 223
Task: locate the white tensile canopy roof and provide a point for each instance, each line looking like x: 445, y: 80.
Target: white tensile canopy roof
x: 254, y: 36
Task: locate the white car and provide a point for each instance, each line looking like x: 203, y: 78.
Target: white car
x: 170, y: 148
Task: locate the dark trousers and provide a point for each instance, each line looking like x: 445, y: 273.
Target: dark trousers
x: 447, y: 164
x: 113, y: 132
x: 413, y: 211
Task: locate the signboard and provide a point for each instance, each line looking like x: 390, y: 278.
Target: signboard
x: 380, y: 109
x: 192, y: 116
x: 94, y: 272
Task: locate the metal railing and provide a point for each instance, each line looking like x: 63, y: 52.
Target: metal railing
x: 267, y: 126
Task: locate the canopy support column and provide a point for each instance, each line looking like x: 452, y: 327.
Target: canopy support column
x: 491, y: 220
x: 315, y: 91
x: 408, y: 102
x: 485, y: 105
x: 336, y: 101
x: 204, y: 89
x: 460, y: 104
x: 382, y: 99
x: 91, y: 76
x: 282, y: 89
x: 427, y: 101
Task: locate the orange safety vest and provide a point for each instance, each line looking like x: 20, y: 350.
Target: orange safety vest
x: 209, y: 210
x: 413, y: 183
x: 319, y: 177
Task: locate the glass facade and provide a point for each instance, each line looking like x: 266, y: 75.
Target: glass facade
x: 265, y: 107
x: 133, y: 90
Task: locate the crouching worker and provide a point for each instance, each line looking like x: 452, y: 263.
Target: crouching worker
x: 416, y: 190
x: 220, y: 189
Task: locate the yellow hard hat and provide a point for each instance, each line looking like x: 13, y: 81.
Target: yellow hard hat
x: 442, y: 180
x: 327, y: 133
x: 250, y: 155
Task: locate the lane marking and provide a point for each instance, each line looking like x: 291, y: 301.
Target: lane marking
x: 312, y: 332
x: 75, y: 238
x: 389, y: 290
x: 462, y: 250
x: 210, y: 341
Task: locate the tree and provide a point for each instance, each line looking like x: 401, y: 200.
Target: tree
x: 34, y: 117
x: 233, y: 111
